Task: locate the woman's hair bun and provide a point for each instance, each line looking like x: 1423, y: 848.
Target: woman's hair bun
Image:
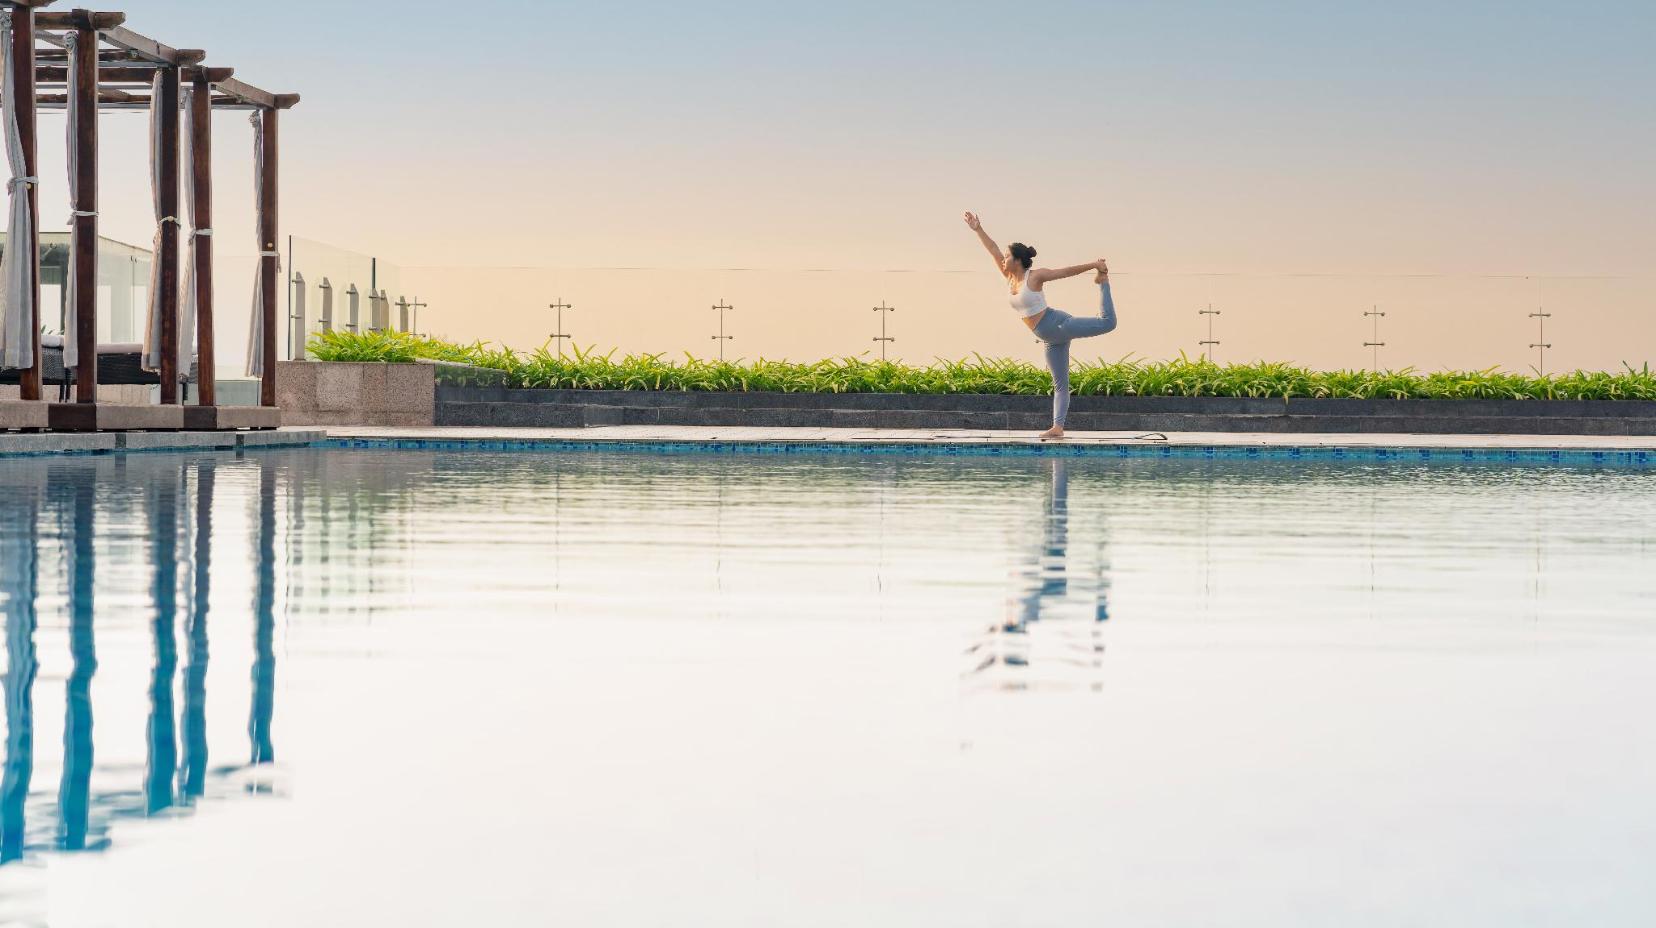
x: 1022, y: 253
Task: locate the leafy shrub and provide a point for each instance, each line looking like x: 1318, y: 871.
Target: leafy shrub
x: 586, y: 370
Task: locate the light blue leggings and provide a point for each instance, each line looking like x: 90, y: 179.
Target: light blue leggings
x: 1057, y: 329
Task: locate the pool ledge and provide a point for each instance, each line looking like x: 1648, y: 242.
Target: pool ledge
x: 1606, y: 449
x: 34, y: 444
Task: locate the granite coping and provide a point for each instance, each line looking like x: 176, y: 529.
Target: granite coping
x: 24, y: 414
x: 14, y: 444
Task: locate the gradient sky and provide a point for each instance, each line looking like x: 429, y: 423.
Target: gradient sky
x: 493, y: 148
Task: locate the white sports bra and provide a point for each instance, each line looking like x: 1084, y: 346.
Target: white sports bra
x: 1027, y: 302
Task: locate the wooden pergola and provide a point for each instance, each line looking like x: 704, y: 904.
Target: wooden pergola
x: 133, y: 72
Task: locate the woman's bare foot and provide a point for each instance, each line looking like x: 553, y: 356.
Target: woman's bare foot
x: 1056, y: 431
x: 1103, y: 271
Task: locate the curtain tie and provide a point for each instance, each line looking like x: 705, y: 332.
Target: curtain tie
x: 27, y: 181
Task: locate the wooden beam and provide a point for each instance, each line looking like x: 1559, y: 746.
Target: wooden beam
x: 246, y: 93
x: 250, y: 94
x: 167, y: 280
x: 84, y: 225
x: 107, y: 74
x: 201, y: 185
x: 195, y: 74
x: 23, y: 66
x: 105, y: 95
x: 54, y: 102
x: 149, y: 49
x: 78, y: 19
x: 113, y: 56
x: 267, y: 261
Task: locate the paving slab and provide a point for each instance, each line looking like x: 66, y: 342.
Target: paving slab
x: 248, y: 417
x: 23, y: 414
x: 55, y: 443
x: 31, y: 443
x: 111, y: 417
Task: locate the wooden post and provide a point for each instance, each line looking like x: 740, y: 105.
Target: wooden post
x: 267, y: 261
x: 23, y: 71
x: 84, y: 85
x: 201, y: 173
x: 167, y: 280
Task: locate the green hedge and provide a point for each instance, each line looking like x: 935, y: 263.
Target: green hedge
x: 1127, y: 377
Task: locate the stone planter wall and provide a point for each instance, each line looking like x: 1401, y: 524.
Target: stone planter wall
x: 472, y: 405
x: 351, y: 393
x: 340, y: 393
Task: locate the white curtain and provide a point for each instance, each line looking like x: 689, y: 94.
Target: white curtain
x: 71, y: 327
x: 152, y: 320
x: 187, y: 289
x: 255, y: 329
x: 17, y: 322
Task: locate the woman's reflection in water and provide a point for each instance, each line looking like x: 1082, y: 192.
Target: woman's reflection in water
x: 1054, y: 615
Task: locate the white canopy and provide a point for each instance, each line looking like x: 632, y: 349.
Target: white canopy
x: 71, y: 322
x: 255, y: 328
x: 152, y: 318
x: 17, y: 311
x: 187, y: 280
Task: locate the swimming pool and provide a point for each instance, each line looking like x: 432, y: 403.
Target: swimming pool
x: 337, y: 686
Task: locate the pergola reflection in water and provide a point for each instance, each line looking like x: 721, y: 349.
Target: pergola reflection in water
x: 52, y: 529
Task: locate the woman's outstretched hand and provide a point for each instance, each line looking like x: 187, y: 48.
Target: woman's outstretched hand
x: 972, y: 221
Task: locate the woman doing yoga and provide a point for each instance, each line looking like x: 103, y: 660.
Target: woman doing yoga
x: 1054, y: 327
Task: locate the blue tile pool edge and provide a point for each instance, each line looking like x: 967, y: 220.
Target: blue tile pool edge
x: 1634, y: 458
x: 1596, y: 457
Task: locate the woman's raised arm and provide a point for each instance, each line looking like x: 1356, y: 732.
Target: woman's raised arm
x: 976, y: 225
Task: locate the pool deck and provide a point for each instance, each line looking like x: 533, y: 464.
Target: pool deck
x: 1638, y: 450
x: 19, y: 444
x: 678, y: 434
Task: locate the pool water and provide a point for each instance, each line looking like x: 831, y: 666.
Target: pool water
x: 437, y: 688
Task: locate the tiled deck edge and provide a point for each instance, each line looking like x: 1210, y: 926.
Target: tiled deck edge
x: 1637, y: 457
x: 50, y: 444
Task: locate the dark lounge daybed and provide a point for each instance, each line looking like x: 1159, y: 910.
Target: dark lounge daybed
x: 118, y: 364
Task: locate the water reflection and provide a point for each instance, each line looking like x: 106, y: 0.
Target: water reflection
x: 192, y: 772
x: 1056, y: 607
x: 264, y: 623
x: 18, y: 575
x: 74, y: 791
x: 162, y: 763
x: 56, y: 524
